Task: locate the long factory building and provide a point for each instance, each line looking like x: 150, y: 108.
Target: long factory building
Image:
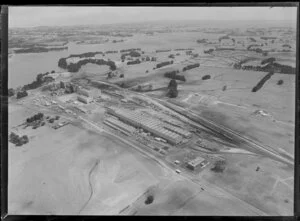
x: 149, y: 124
x: 119, y: 125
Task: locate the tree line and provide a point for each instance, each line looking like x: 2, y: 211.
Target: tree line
x: 39, y: 49
x: 137, y: 61
x: 191, y: 66
x: 262, y: 82
x: 165, y: 63
x: 174, y: 75
x: 130, y: 49
x: 74, y: 67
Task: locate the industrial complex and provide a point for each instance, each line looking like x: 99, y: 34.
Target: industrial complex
x: 171, y: 134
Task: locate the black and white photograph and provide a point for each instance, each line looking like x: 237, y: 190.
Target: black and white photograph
x: 151, y: 110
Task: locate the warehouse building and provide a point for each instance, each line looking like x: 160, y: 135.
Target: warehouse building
x: 196, y: 163
x: 88, y: 93
x: 119, y: 125
x: 151, y: 125
x: 184, y: 133
x: 84, y: 99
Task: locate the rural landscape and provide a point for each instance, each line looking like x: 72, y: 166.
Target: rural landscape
x: 152, y: 118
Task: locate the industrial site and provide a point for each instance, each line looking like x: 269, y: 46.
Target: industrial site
x: 157, y: 118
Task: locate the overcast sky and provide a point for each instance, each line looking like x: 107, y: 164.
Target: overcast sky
x: 53, y: 16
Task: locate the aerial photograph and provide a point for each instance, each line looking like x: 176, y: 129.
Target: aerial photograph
x: 149, y: 111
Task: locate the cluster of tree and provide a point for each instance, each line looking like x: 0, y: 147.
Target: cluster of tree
x: 74, y: 67
x: 165, y: 63
x: 171, y: 56
x: 174, y: 75
x: 223, y: 37
x: 111, y: 52
x: 257, y: 50
x: 69, y: 89
x: 206, y: 77
x: 116, y: 41
x: 137, y: 61
x: 224, y: 49
x: 17, y: 140
x: 131, y: 54
x: 172, y: 89
x: 195, y: 55
x: 40, y: 80
x: 62, y: 63
x: 130, y: 49
x: 219, y: 166
x: 152, y: 58
x: 239, y: 64
x: 287, y: 45
x: 191, y: 66
x: 39, y: 49
x: 252, y: 45
x: 265, y: 53
x: 163, y: 50
x: 21, y: 94
x: 285, y: 50
x: 262, y: 81
x: 284, y: 69
x: 11, y: 92
x: 202, y: 41
x: 85, y: 55
x: 184, y: 49
x: 35, y: 117
x: 267, y: 38
x: 188, y: 52
x: 268, y: 60
x: 270, y: 67
x: 121, y: 35
x: 208, y: 51
x: 252, y: 39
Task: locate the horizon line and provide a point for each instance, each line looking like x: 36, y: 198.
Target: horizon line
x: 139, y: 22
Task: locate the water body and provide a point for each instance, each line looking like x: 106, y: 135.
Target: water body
x: 23, y: 68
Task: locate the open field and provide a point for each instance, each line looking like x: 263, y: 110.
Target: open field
x: 266, y: 188
x: 186, y: 198
x: 74, y: 166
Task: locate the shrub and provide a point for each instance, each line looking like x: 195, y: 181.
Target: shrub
x: 280, y: 82
x: 149, y: 199
x: 21, y: 94
x: 268, y: 60
x: 206, y: 77
x: 219, y: 166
